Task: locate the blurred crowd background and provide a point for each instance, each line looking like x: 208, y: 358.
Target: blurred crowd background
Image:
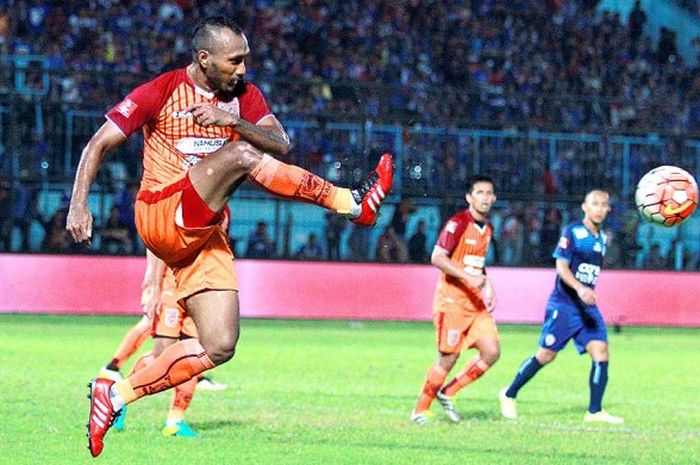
x: 550, y: 97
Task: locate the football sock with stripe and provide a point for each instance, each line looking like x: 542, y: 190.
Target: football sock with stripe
x: 472, y: 371
x: 293, y: 182
x: 178, y: 363
x: 597, y: 381
x: 527, y: 370
x: 433, y: 380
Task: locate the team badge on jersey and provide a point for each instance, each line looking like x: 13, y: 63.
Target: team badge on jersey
x: 563, y: 242
x: 232, y: 107
x: 580, y: 233
x: 127, y: 107
x: 453, y: 337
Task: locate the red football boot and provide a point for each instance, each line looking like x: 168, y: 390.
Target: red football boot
x: 102, y: 414
x: 373, y: 190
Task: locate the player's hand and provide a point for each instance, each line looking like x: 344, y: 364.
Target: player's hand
x: 206, y: 114
x: 489, y: 296
x: 477, y: 281
x: 153, y: 304
x: 79, y: 223
x: 586, y: 294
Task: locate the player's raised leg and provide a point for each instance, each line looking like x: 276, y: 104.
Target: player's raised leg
x: 597, y: 382
x: 217, y: 176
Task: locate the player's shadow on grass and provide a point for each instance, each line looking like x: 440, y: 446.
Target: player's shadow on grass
x: 216, y: 425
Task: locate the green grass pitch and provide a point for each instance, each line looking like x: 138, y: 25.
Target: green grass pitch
x: 309, y: 392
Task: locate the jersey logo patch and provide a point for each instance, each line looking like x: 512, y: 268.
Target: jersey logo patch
x: 453, y: 337
x: 580, y: 233
x: 563, y: 242
x: 451, y: 227
x: 232, y: 107
x: 127, y: 107
x: 549, y: 339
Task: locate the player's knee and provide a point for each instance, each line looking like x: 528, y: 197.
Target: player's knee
x: 222, y: 350
x: 241, y: 156
x: 492, y: 357
x: 544, y: 356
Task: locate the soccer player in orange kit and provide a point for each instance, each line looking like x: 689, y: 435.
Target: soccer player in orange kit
x: 463, y: 302
x: 206, y: 130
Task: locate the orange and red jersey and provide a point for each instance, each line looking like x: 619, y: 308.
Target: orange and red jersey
x: 466, y: 243
x: 172, y: 140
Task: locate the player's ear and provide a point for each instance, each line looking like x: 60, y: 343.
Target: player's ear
x: 203, y: 58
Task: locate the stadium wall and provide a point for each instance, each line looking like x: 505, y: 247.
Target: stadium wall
x: 352, y: 291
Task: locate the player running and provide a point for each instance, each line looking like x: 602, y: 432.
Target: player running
x: 572, y: 311
x: 206, y: 130
x: 463, y: 302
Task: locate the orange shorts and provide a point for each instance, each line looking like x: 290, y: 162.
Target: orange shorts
x: 457, y: 330
x: 172, y: 319
x: 199, y: 256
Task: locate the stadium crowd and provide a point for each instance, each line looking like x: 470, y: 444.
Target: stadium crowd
x: 543, y: 64
x: 495, y: 62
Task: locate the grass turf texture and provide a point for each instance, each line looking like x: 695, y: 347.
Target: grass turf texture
x: 309, y: 392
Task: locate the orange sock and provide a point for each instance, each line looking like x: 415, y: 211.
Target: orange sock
x: 434, y: 379
x: 178, y: 363
x: 132, y: 341
x: 182, y: 396
x: 297, y: 183
x: 473, y: 370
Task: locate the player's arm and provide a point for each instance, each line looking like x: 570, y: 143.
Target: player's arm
x: 153, y: 279
x: 267, y: 135
x: 489, y: 294
x: 584, y: 292
x: 79, y: 220
x: 441, y: 259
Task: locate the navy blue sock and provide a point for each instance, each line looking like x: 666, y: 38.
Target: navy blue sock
x: 525, y: 373
x: 597, y: 381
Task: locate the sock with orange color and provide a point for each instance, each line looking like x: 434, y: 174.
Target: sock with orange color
x: 178, y: 363
x: 433, y: 380
x: 133, y: 339
x: 182, y: 396
x: 473, y: 370
x: 297, y: 183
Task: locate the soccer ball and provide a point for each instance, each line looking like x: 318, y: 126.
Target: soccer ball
x: 666, y: 195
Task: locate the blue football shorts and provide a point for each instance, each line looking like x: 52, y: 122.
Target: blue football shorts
x: 563, y: 322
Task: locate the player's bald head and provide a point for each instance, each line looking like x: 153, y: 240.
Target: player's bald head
x: 207, y: 34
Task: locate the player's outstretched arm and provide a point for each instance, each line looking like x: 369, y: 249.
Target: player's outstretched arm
x: 79, y: 220
x: 585, y: 293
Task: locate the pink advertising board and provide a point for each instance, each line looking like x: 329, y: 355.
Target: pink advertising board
x: 288, y: 289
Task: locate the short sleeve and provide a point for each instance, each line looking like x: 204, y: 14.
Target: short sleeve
x: 565, y: 246
x: 253, y: 105
x: 451, y: 232
x: 138, y: 108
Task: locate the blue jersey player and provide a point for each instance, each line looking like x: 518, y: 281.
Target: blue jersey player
x: 572, y: 312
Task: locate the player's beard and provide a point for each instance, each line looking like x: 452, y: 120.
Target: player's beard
x: 224, y: 87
